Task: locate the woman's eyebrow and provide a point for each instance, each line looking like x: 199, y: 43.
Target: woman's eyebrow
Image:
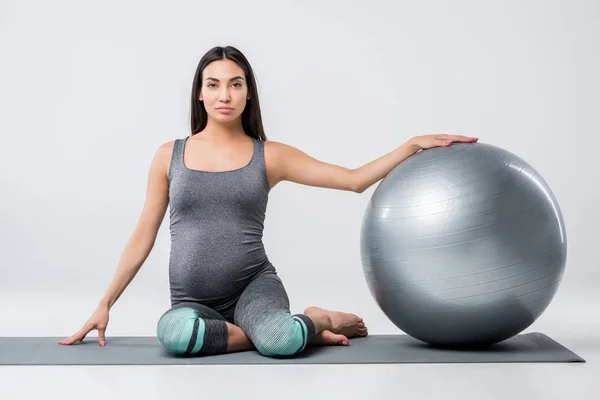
x: 215, y: 79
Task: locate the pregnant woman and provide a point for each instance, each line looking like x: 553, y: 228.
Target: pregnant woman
x: 225, y: 294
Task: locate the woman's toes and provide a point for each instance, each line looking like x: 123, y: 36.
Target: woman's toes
x: 327, y: 337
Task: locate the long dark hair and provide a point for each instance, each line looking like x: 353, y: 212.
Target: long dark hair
x: 251, y: 116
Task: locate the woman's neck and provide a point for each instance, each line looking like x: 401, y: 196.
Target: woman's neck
x: 221, y: 133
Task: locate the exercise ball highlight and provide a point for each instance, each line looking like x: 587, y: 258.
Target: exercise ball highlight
x: 463, y: 245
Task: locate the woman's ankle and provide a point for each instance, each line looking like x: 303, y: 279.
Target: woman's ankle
x: 237, y: 339
x: 320, y: 317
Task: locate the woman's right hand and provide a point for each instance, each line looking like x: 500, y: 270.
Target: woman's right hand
x: 98, y: 320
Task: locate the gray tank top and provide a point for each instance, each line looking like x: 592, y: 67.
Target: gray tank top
x: 216, y: 227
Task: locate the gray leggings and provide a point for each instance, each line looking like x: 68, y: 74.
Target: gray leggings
x: 262, y: 312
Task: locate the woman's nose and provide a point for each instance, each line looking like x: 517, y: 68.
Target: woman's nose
x: 224, y: 95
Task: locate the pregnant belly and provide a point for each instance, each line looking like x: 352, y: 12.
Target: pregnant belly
x: 213, y: 276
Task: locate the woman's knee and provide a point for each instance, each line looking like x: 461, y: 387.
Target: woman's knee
x: 183, y: 332
x: 282, y: 335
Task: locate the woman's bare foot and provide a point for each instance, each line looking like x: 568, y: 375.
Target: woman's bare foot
x: 335, y: 327
x: 329, y: 338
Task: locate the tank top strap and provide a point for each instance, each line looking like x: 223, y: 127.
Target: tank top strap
x: 259, y: 156
x: 176, y: 164
x: 259, y: 150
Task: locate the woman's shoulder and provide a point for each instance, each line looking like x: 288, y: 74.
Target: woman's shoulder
x: 167, y: 145
x: 276, y: 152
x: 164, y: 153
x: 272, y: 149
x: 275, y: 149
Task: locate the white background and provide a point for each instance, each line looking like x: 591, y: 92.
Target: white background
x: 90, y: 90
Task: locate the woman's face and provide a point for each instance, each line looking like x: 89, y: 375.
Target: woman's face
x: 224, y: 90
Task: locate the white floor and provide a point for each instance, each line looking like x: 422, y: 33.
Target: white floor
x: 576, y: 326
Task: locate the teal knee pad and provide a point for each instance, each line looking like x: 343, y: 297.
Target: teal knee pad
x: 284, y: 335
x: 181, y: 331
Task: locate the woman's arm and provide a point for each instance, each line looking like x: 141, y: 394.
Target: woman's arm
x: 133, y: 257
x: 372, y: 172
x: 142, y: 240
x: 291, y: 164
x: 287, y: 163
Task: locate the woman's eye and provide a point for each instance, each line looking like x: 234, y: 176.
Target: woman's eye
x: 212, y: 84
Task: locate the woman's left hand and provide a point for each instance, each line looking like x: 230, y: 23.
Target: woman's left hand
x: 429, y: 141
